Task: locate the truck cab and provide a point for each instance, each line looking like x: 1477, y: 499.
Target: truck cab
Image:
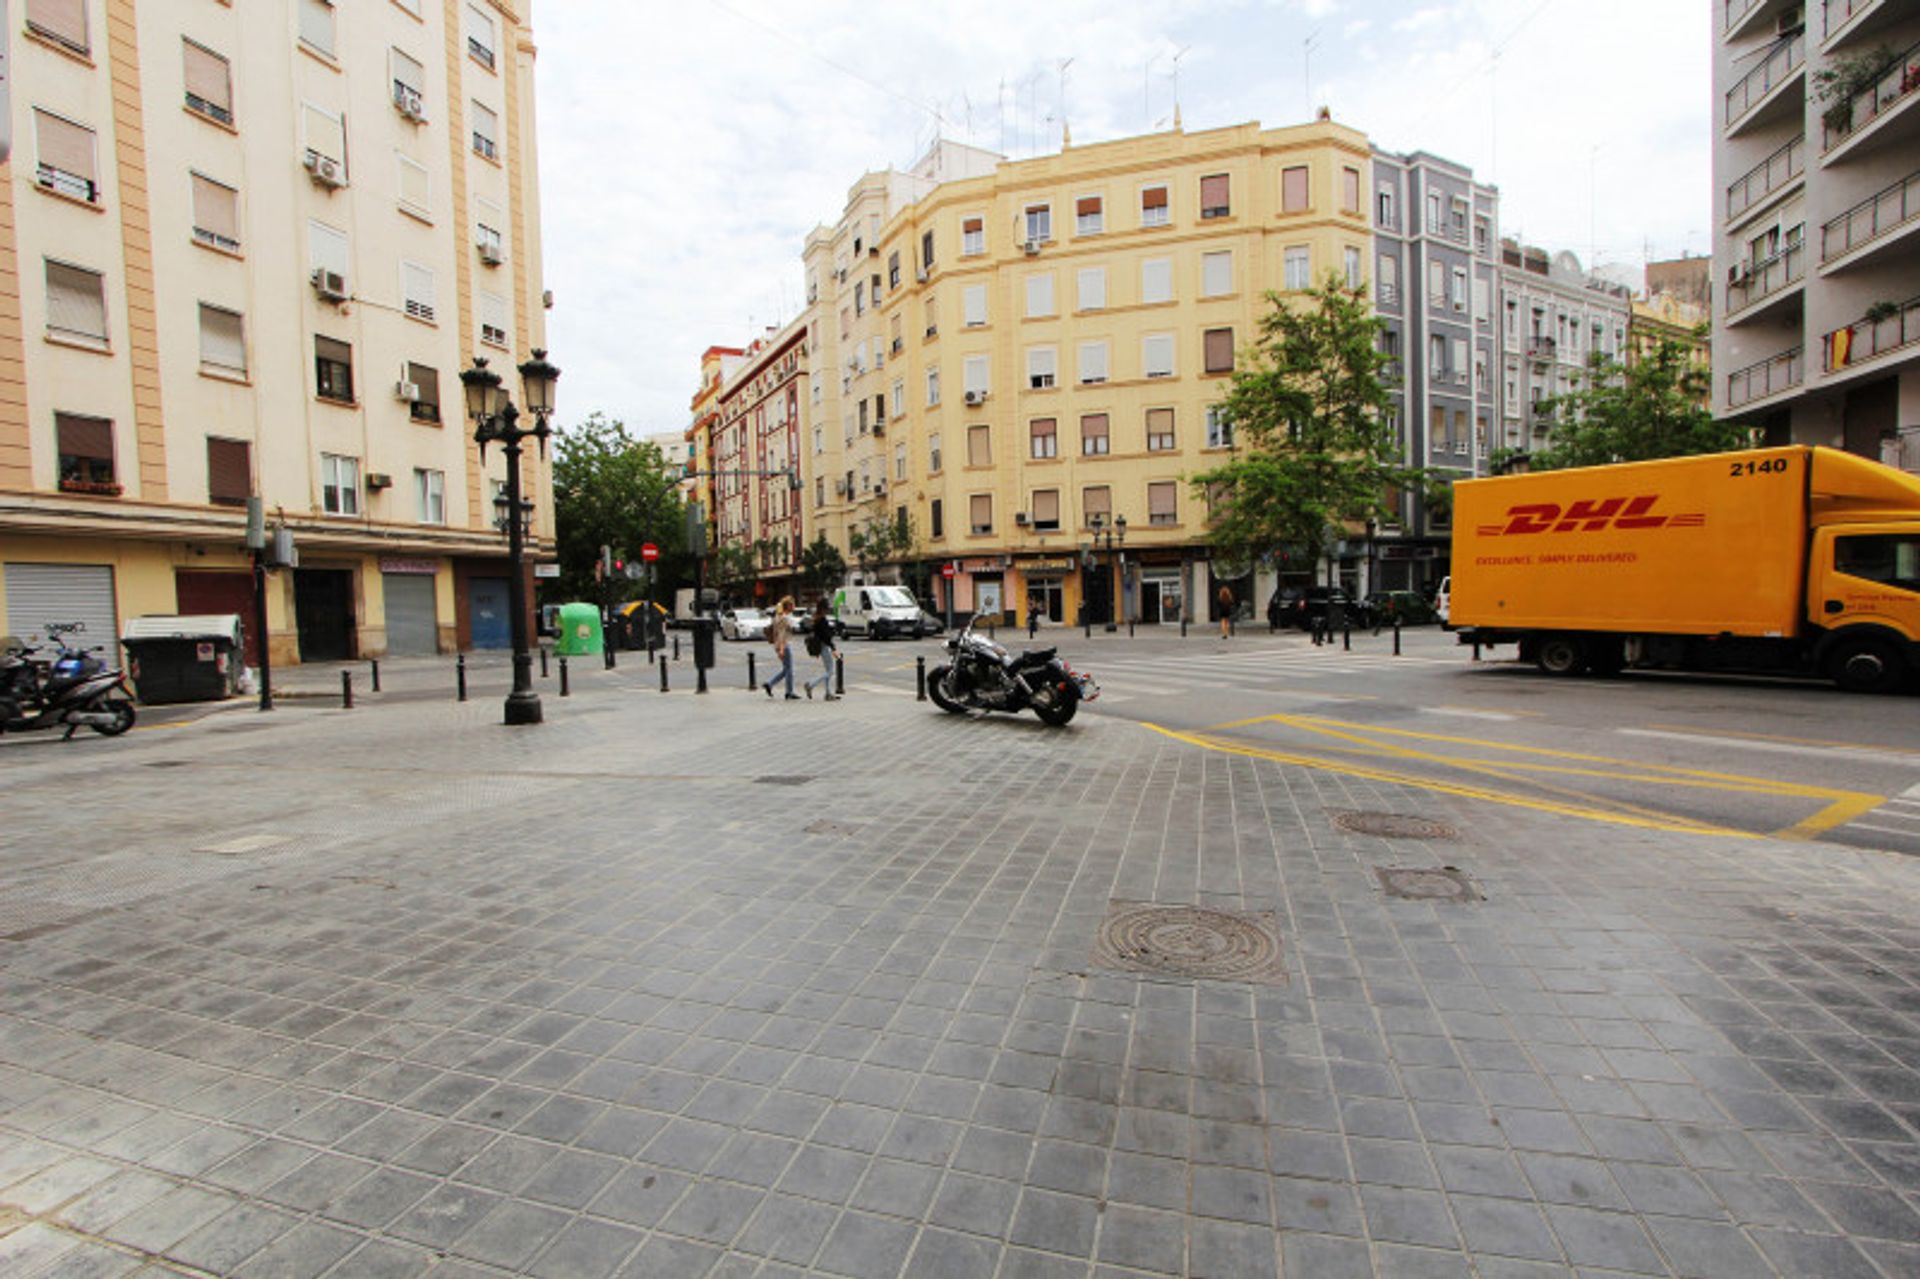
x: 1863, y: 592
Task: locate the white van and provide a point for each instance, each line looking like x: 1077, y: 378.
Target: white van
x: 878, y: 611
x: 1443, y: 599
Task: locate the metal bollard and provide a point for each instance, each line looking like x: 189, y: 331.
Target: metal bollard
x: 346, y: 690
x: 920, y: 678
x: 1129, y: 628
x: 676, y: 648
x: 1396, y: 637
x: 751, y: 680
x: 543, y: 661
x: 564, y: 691
x: 1346, y: 639
x: 375, y: 662
x: 1084, y: 621
x: 1183, y: 628
x: 460, y: 677
x: 839, y: 675
x: 606, y: 649
x: 663, y: 677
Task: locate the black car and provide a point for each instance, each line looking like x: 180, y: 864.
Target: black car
x: 1408, y: 608
x: 1314, y: 606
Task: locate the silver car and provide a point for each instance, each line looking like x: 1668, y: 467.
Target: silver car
x: 743, y: 624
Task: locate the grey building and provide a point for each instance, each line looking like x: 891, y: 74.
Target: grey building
x: 1436, y: 239
x: 1554, y: 317
x: 1816, y: 330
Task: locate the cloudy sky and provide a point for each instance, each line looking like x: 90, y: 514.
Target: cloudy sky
x: 687, y: 147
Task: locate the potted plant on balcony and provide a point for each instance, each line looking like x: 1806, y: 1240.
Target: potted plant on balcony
x: 1881, y: 311
x: 99, y: 488
x: 1838, y: 85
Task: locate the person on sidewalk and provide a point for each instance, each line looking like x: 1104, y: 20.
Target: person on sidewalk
x: 779, y: 632
x: 820, y: 644
x: 1273, y: 611
x: 1226, y: 610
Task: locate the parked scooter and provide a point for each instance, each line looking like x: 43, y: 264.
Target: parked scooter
x: 78, y: 690
x: 984, y: 676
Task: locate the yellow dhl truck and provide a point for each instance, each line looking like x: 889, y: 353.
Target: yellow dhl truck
x: 1800, y: 561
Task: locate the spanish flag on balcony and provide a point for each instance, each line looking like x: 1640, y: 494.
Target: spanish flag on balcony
x: 1842, y: 348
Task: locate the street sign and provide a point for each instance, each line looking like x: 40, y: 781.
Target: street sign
x: 649, y: 552
x: 946, y: 570
x: 546, y: 570
x: 635, y: 571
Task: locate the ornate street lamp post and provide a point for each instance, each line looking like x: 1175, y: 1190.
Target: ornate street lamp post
x: 497, y: 421
x: 1112, y: 539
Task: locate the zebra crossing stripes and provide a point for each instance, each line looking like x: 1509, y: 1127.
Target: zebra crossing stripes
x: 1124, y: 678
x: 1898, y: 816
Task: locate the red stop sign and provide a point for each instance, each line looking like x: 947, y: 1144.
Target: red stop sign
x: 946, y: 570
x: 649, y: 552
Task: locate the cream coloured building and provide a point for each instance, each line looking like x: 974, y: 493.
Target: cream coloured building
x: 1006, y: 353
x: 247, y: 249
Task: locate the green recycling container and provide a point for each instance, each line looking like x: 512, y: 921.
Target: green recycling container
x: 579, y: 631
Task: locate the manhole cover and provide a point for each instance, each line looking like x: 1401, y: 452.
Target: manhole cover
x: 1191, y: 941
x: 1442, y: 884
x: 783, y: 779
x: 1393, y: 826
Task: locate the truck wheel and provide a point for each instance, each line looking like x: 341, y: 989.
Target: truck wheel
x: 1561, y: 655
x: 1866, y: 666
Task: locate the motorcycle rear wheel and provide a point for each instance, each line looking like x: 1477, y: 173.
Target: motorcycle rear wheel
x: 1060, y: 714
x: 937, y: 690
x: 123, y: 717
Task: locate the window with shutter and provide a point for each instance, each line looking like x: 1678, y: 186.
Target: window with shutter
x: 1089, y: 216
x: 209, y: 82
x: 223, y: 341
x: 1154, y: 209
x: 84, y: 446
x: 1093, y: 363
x: 66, y: 157
x: 973, y: 238
x: 493, y: 319
x: 326, y: 134
x: 1046, y: 440
x: 1299, y: 267
x: 216, y: 214
x: 316, y: 25
x: 1156, y: 280
x: 426, y: 403
x: 416, y: 289
x: 416, y: 193
x: 1350, y: 190
x: 480, y: 36
x: 973, y: 305
x: 933, y: 453
x: 1219, y: 350
x: 936, y: 518
x: 1094, y: 441
x: 486, y: 127
x: 1040, y: 294
x: 430, y: 495
x: 1161, y: 499
x: 980, y: 507
x: 1156, y: 354
x: 1039, y: 222
x: 1093, y: 288
x: 979, y: 446
x: 976, y: 375
x: 333, y: 370
x: 1159, y: 430
x: 327, y: 249
x: 409, y: 82
x: 1046, y: 510
x: 1216, y: 273
x: 1040, y: 368
x: 339, y: 484
x: 229, y: 471
x: 62, y: 21
x: 1293, y: 190
x: 1096, y: 500
x: 1213, y: 196
x: 76, y: 303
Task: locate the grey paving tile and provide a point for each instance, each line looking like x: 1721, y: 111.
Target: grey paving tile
x: 1408, y: 1216
x: 310, y: 1248
x: 1604, y: 1240
x: 1504, y: 1228
x: 863, y: 1246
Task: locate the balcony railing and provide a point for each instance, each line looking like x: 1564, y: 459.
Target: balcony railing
x: 1769, y: 377
x: 1835, y: 14
x: 1900, y: 81
x: 1787, y: 58
x: 1873, y: 217
x: 1767, y: 278
x: 1772, y: 173
x: 1738, y: 10
x: 69, y: 184
x: 1866, y: 339
x: 1541, y: 348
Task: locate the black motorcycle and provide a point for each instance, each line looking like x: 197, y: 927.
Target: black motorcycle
x: 984, y: 676
x: 77, y: 691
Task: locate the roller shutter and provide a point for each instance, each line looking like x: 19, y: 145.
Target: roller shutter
x: 411, y: 628
x: 38, y: 594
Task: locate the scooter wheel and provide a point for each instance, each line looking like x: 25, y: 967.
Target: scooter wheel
x: 122, y: 711
x: 937, y: 690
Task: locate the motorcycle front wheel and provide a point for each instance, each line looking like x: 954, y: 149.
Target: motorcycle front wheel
x: 937, y: 690
x: 122, y: 711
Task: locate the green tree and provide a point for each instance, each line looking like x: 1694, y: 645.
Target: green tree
x: 1654, y: 407
x: 822, y: 567
x: 733, y: 569
x: 881, y: 540
x: 610, y: 489
x: 1313, y: 451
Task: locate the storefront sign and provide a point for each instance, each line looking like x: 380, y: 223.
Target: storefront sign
x: 424, y: 568
x: 981, y: 566
x: 546, y: 570
x: 1065, y: 565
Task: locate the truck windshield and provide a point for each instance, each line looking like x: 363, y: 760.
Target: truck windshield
x: 1891, y: 559
x: 892, y: 597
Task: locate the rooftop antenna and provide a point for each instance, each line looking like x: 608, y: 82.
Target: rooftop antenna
x: 1306, y: 60
x: 1176, y: 85
x: 1000, y: 109
x: 1146, y: 94
x: 1066, y: 139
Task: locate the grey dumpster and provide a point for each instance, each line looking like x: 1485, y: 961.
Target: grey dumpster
x: 195, y: 658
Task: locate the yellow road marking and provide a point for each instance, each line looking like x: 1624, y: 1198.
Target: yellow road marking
x: 1675, y: 825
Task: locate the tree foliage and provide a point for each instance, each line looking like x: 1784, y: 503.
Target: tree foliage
x: 822, y: 567
x: 610, y: 489
x: 881, y: 540
x: 733, y: 569
x: 1655, y: 407
x: 1313, y: 450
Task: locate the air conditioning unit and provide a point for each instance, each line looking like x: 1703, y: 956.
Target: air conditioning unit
x: 330, y: 285
x: 325, y: 170
x: 377, y: 480
x: 839, y: 488
x: 1792, y: 21
x: 976, y: 397
x: 921, y: 275
x: 405, y: 390
x: 1031, y: 248
x: 489, y: 252
x: 409, y: 103
x: 1020, y: 518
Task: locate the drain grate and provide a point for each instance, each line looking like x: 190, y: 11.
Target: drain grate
x: 1191, y: 941
x: 1394, y: 826
x: 1425, y: 884
x: 783, y: 779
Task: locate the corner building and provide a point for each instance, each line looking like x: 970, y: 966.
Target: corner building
x: 247, y: 249
x: 1010, y: 354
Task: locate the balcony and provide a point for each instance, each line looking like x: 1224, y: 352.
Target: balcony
x: 1866, y: 340
x: 1763, y: 280
x: 1779, y: 172
x: 1769, y: 377
x: 1878, y: 115
x: 1872, y: 224
x: 1542, y: 348
x: 1741, y: 17
x: 1761, y: 86
x: 1854, y: 18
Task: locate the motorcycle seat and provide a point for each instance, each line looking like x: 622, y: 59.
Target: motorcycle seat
x: 1035, y: 657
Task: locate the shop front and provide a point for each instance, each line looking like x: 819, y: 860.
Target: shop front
x: 1162, y: 594
x: 1044, y: 589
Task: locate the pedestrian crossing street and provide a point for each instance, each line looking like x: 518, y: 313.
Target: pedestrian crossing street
x: 1129, y: 678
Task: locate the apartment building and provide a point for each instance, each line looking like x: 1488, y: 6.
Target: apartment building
x: 1435, y: 237
x: 246, y: 249
x: 717, y: 365
x: 1021, y: 361
x: 755, y: 445
x: 1816, y: 335
x: 1554, y: 317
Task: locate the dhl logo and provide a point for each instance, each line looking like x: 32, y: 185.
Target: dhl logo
x: 1588, y: 515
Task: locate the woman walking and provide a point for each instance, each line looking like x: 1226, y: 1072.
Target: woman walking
x: 820, y: 644
x: 1226, y: 610
x: 779, y: 631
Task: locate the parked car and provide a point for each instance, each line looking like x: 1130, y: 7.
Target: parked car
x: 931, y: 624
x: 1409, y: 608
x: 743, y: 624
x: 1306, y: 607
x: 1443, y: 599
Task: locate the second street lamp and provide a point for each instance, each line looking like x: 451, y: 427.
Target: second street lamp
x: 497, y: 421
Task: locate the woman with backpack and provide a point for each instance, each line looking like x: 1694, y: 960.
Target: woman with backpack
x: 820, y: 644
x: 779, y: 630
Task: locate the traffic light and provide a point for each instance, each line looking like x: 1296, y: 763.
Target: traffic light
x: 606, y: 561
x: 619, y: 565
